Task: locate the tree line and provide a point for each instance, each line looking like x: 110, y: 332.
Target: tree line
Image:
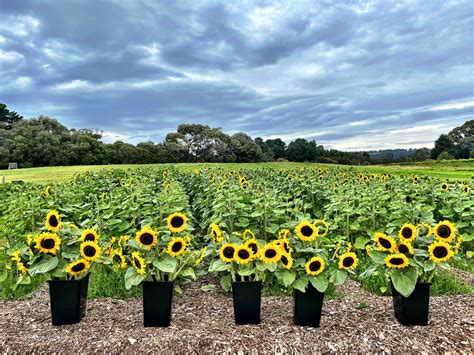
x: 44, y: 141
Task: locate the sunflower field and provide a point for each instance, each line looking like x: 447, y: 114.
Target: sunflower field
x: 282, y: 226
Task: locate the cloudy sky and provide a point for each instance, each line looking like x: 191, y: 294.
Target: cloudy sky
x: 351, y: 74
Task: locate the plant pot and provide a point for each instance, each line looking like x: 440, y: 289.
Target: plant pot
x: 68, y: 300
x: 414, y: 309
x: 157, y: 302
x: 308, y: 306
x: 247, y: 298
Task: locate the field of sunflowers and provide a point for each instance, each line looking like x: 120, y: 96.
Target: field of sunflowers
x: 286, y: 227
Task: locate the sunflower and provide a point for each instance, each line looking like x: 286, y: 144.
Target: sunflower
x: 397, y: 261
x: 201, y: 256
x: 48, y: 243
x: 271, y: 253
x: 348, y: 261
x: 252, y: 244
x: 216, y: 233
x: 385, y: 242
x: 21, y: 267
x: 444, y: 186
x: 177, y: 222
x: 138, y: 263
x: 283, y: 233
x: 245, y: 185
x: 77, y: 267
x: 284, y: 245
x: 466, y: 189
x: 315, y: 266
x: 243, y: 255
x: 53, y: 221
x: 415, y: 179
x: 408, y: 232
x: 242, y: 180
x: 306, y: 231
x: 248, y: 234
x: 286, y: 260
x: 117, y: 255
x: 89, y: 235
x: 227, y: 252
x: 176, y: 246
x: 319, y: 223
x: 444, y: 231
x: 146, y: 238
x: 424, y: 229
x: 404, y: 248
x: 440, y: 252
x: 90, y: 251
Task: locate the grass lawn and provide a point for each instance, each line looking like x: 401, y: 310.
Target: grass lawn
x: 453, y: 169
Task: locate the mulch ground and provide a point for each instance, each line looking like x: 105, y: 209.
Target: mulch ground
x: 203, y: 322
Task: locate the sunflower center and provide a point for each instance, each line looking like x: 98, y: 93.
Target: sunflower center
x: 444, y: 231
x: 228, y: 252
x: 177, y: 221
x: 270, y: 253
x: 307, y: 231
x: 385, y: 243
x: 445, y: 187
x: 284, y: 260
x: 53, y: 221
x: 176, y: 246
x: 348, y: 261
x: 78, y: 267
x: 89, y: 237
x: 407, y: 233
x: 137, y: 263
x: 48, y: 243
x: 315, y: 266
x: 89, y: 251
x: 253, y: 247
x: 243, y: 254
x: 402, y: 248
x: 146, y: 239
x: 397, y: 261
x: 286, y: 247
x: 440, y: 252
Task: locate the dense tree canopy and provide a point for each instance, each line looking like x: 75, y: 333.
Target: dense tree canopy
x: 44, y: 141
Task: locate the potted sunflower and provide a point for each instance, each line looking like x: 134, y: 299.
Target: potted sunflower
x: 309, y: 264
x: 65, y: 255
x: 157, y: 261
x: 241, y: 262
x: 410, y: 260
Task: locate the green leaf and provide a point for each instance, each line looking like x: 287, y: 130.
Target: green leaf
x: 360, y: 242
x: 168, y: 264
x: 218, y: 265
x: 44, y: 266
x: 3, y: 276
x: 340, y: 276
x: 25, y: 279
x: 178, y: 289
x: 132, y: 278
x: 301, y: 284
x: 189, y: 272
x: 288, y: 277
x: 319, y: 282
x: 226, y: 282
x: 404, y: 280
x: 245, y: 272
x: 208, y: 288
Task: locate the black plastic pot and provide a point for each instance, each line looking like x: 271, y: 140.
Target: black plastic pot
x: 308, y: 306
x: 68, y: 300
x: 414, y: 309
x: 247, y: 298
x: 157, y: 303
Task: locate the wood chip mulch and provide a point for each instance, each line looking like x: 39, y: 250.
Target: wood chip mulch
x: 203, y: 322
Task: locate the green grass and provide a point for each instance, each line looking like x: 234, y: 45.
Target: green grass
x: 452, y: 169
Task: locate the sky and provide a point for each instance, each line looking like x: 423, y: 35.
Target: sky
x: 353, y: 75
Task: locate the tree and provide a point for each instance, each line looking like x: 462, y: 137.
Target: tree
x: 245, y: 149
x: 463, y: 137
x: 301, y: 150
x: 7, y: 117
x: 445, y: 156
x: 443, y: 144
x: 421, y: 154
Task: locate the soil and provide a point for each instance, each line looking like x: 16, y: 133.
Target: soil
x: 203, y: 322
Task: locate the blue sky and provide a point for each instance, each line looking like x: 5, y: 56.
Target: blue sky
x: 351, y: 74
